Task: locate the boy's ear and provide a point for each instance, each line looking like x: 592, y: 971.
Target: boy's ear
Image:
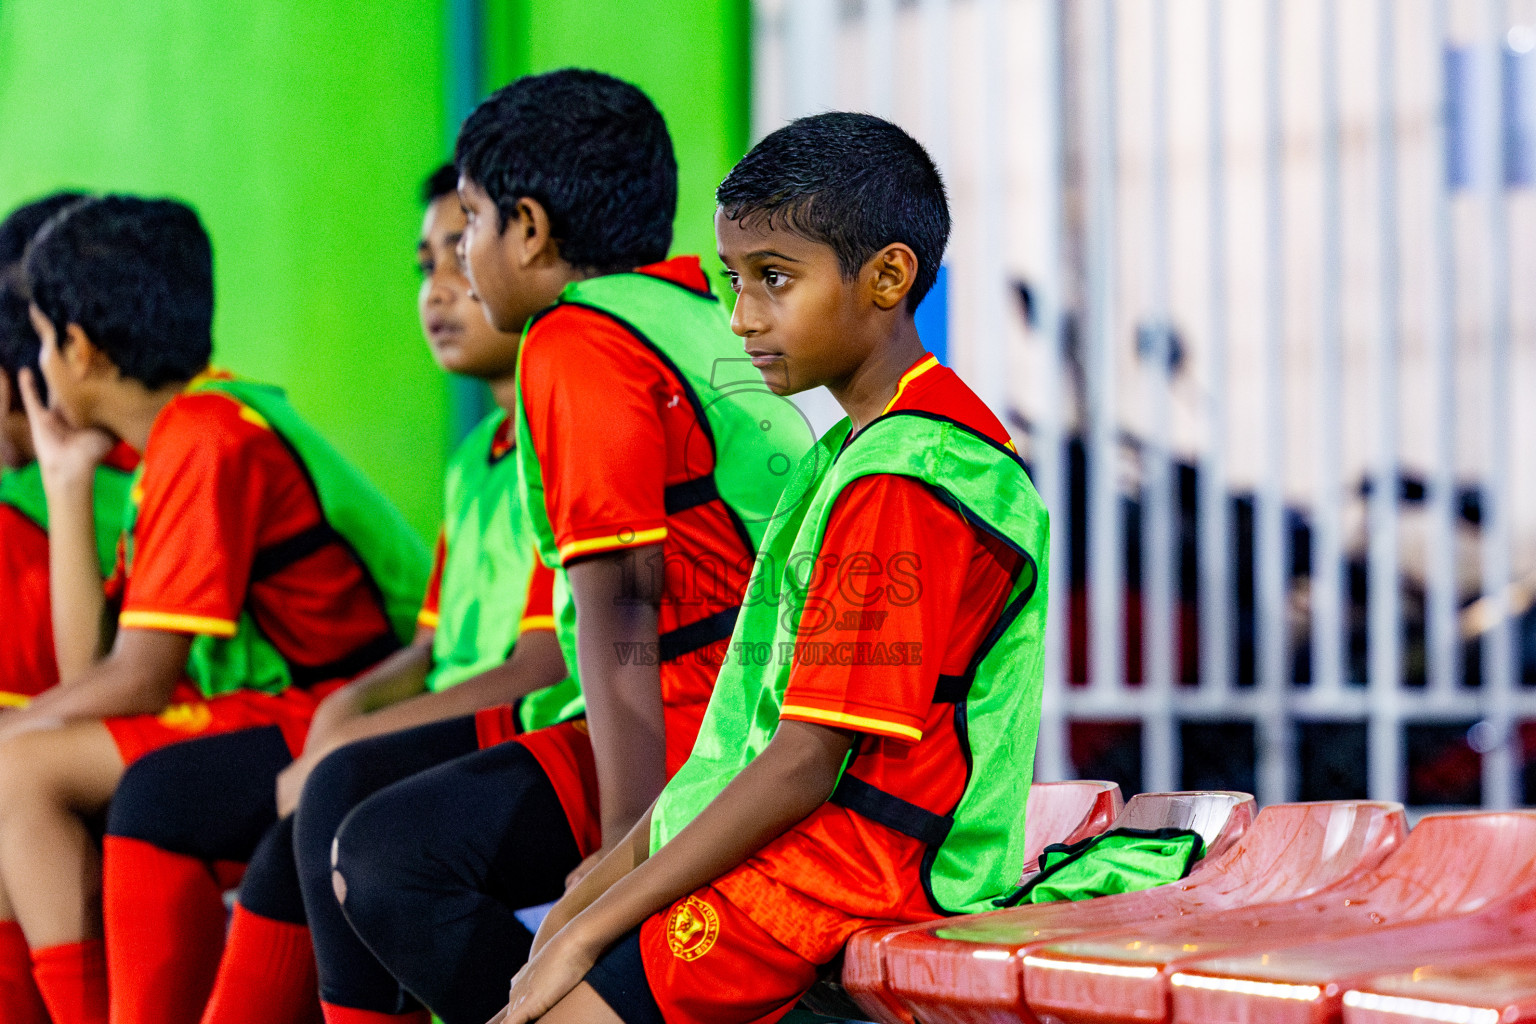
x: 531, y: 238
x: 80, y: 353
x: 894, y: 270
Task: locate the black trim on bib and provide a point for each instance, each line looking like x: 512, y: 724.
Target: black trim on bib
x: 346, y: 666
x: 1080, y: 849
x: 920, y: 414
x: 684, y: 640
x: 891, y: 811
x: 29, y: 517
x: 274, y: 558
x: 701, y: 490
x: 952, y: 689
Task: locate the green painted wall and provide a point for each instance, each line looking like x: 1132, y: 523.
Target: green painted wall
x: 300, y: 129
x: 690, y: 56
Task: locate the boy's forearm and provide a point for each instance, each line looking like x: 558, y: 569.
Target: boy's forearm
x: 397, y: 678
x: 617, y: 598
x: 621, y: 860
x: 536, y: 662
x: 135, y: 679
x: 78, y: 607
x: 787, y: 782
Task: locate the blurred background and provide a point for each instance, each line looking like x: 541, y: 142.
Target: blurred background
x: 1253, y: 283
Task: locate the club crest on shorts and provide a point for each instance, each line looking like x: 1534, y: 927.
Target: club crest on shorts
x: 692, y: 928
x: 186, y: 717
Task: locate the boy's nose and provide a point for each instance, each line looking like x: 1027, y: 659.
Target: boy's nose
x: 743, y: 321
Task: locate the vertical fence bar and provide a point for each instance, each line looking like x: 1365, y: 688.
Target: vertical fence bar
x: 1384, y: 590
x: 1047, y: 451
x: 1216, y: 591
x: 1272, y: 728
x: 935, y: 15
x: 989, y: 358
x: 1105, y: 561
x: 1160, y: 741
x: 879, y: 56
x: 810, y: 34
x: 1441, y: 634
x: 1498, y: 642
x: 1327, y: 590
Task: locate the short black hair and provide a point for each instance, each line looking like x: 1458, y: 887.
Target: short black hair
x: 137, y: 276
x: 19, y: 344
x: 854, y: 182
x: 442, y: 182
x: 592, y: 150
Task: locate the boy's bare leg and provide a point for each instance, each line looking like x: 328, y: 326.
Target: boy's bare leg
x: 582, y: 1006
x: 49, y: 866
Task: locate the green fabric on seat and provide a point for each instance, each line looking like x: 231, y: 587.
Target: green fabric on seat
x: 1121, y: 860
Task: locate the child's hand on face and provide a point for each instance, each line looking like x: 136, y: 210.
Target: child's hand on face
x: 64, y: 453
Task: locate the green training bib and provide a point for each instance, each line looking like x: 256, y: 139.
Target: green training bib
x: 976, y: 851
x: 354, y: 513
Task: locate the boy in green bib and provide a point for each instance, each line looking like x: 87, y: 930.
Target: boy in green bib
x: 870, y: 739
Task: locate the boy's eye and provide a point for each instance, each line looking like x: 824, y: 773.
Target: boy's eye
x: 734, y: 279
x: 772, y: 278
x: 426, y: 267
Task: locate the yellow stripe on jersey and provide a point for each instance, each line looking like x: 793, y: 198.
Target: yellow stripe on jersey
x: 530, y: 623
x: 176, y: 623
x: 907, y: 378
x: 859, y: 722
x: 252, y: 416
x: 427, y: 619
x: 612, y: 542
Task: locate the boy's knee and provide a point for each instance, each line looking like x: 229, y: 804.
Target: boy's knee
x: 333, y: 789
x: 336, y: 780
x: 28, y: 775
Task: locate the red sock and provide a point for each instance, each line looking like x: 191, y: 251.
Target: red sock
x: 19, y: 999
x: 267, y: 975
x: 164, y: 917
x: 73, y: 981
x: 347, y: 1015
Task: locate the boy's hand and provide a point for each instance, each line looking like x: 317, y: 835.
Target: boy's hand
x: 290, y: 781
x: 549, y: 977
x: 581, y: 870
x: 64, y: 453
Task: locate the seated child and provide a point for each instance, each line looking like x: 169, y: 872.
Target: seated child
x: 27, y: 665
x: 485, y: 638
x: 258, y: 569
x: 652, y: 458
x: 872, y: 735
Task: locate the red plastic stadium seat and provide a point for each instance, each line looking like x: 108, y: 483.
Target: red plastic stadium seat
x: 1057, y: 812
x: 1244, y: 964
x: 1499, y: 989
x: 972, y: 970
x: 1067, y: 812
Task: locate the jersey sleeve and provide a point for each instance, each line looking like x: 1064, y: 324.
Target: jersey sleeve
x: 205, y: 496
x: 539, y: 610
x: 431, y: 604
x: 593, y: 397
x: 880, y: 606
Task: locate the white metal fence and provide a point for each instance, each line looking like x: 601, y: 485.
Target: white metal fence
x: 1255, y: 283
